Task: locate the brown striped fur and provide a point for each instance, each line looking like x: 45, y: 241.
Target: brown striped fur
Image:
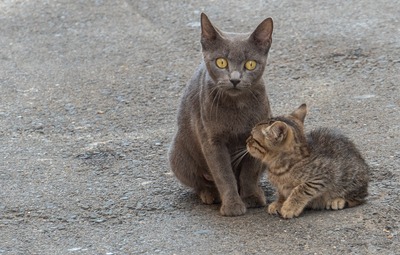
x: 320, y: 170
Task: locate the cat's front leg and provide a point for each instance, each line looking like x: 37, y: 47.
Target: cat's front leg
x: 275, y: 207
x: 219, y: 163
x: 232, y: 207
x: 289, y: 210
x: 250, y: 191
x: 297, y: 200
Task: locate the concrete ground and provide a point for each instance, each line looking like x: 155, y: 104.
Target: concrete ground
x: 88, y: 98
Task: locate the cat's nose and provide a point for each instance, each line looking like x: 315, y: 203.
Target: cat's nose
x: 235, y: 78
x: 235, y: 82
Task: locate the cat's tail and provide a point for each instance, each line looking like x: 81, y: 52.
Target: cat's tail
x: 357, y: 198
x: 354, y: 202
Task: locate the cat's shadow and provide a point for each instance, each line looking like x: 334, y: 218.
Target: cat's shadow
x: 189, y: 201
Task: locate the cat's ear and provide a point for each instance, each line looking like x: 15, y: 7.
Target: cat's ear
x: 300, y: 113
x: 278, y: 131
x: 262, y: 36
x: 209, y: 34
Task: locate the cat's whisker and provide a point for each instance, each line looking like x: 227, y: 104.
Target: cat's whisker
x: 213, y: 97
x: 254, y: 95
x: 218, y: 96
x: 239, y: 152
x: 214, y: 103
x: 238, y: 156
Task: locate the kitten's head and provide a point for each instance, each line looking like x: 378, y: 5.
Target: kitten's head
x: 235, y: 61
x: 283, y: 134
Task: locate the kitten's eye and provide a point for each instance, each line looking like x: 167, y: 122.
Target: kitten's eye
x: 250, y: 65
x: 221, y: 62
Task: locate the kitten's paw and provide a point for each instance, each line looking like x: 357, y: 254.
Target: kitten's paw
x: 274, y: 207
x: 336, y: 204
x: 288, y: 211
x: 208, y: 197
x: 236, y: 208
x: 256, y: 200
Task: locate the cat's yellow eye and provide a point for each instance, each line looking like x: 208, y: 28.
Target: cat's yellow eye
x: 221, y: 62
x: 250, y: 65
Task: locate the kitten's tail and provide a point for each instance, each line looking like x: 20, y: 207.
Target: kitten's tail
x: 357, y: 197
x: 354, y: 202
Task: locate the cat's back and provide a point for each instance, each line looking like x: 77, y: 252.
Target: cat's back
x: 193, y: 86
x: 332, y: 143
x: 344, y: 167
x: 190, y: 99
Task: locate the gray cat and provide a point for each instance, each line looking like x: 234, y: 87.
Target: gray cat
x: 224, y: 99
x: 320, y: 170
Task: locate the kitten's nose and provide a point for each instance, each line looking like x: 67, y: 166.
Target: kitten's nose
x: 235, y: 82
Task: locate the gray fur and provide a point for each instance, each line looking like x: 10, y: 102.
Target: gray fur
x: 218, y: 109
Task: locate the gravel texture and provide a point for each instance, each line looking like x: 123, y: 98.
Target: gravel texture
x: 88, y: 98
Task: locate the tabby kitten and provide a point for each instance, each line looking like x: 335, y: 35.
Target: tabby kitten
x: 224, y: 99
x: 320, y: 170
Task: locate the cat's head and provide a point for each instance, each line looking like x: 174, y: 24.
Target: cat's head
x: 277, y: 135
x: 235, y: 61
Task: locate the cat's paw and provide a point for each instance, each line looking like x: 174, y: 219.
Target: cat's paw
x: 288, y: 211
x: 256, y: 200
x: 336, y: 204
x: 274, y: 207
x: 236, y: 208
x: 208, y: 197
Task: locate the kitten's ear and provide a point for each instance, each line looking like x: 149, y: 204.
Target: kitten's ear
x: 208, y: 32
x: 300, y: 113
x: 262, y: 36
x: 279, y: 131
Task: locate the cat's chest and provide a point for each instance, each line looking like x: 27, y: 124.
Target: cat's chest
x: 231, y: 130
x: 234, y: 120
x: 284, y: 183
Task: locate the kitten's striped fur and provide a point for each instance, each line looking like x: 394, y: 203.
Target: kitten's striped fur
x: 320, y: 170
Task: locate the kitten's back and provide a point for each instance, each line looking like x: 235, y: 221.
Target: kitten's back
x: 331, y: 142
x: 349, y: 169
